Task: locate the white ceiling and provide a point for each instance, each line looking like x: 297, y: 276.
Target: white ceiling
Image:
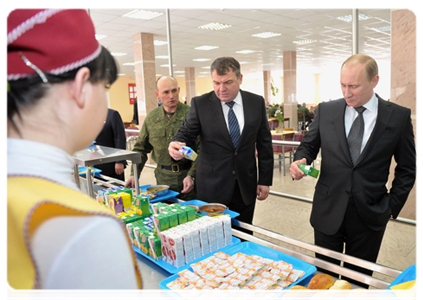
x: 333, y: 36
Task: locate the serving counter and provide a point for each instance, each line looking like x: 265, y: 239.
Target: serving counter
x: 153, y: 274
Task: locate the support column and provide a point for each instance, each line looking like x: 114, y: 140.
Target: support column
x: 316, y: 97
x: 403, y: 79
x: 267, y: 80
x: 290, y: 87
x: 190, y: 83
x: 145, y: 74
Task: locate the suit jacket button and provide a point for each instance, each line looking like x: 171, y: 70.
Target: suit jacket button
x: 236, y: 153
x: 233, y: 172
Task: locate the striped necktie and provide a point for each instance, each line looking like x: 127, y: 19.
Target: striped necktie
x: 355, y: 137
x: 233, y: 124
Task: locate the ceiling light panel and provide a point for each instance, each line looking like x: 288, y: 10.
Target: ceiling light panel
x: 142, y: 14
x: 265, y: 35
x: 201, y: 59
x: 118, y: 53
x: 304, y: 42
x: 348, y: 18
x: 159, y: 43
x: 215, y: 26
x: 245, y: 51
x: 206, y: 48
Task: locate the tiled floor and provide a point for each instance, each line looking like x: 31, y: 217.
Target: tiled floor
x: 291, y: 218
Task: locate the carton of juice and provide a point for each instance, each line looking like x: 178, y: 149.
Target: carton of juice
x: 142, y: 203
x: 188, y: 153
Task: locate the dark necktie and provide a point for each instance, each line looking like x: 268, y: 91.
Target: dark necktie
x: 233, y: 124
x: 355, y: 137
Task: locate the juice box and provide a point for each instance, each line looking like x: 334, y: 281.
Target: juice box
x: 188, y: 153
x: 142, y: 203
x: 308, y: 170
x: 161, y: 222
x: 155, y: 247
x: 181, y: 214
x: 173, y: 218
x: 190, y: 211
x: 126, y: 201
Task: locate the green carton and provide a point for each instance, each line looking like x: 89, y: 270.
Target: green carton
x: 308, y: 170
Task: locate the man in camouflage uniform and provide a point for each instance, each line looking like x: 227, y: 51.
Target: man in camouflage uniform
x: 159, y: 127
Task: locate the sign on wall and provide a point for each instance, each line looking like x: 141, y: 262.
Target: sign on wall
x: 132, y: 88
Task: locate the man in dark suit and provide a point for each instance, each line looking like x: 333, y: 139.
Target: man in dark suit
x: 351, y: 203
x: 112, y: 135
x: 226, y: 168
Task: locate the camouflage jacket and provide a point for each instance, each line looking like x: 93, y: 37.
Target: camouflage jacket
x: 156, y: 134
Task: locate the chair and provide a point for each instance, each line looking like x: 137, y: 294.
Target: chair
x: 281, y: 151
x: 301, y: 121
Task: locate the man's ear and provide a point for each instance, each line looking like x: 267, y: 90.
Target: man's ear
x: 77, y: 87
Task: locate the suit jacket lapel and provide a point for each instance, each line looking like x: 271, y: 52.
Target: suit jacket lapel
x: 217, y: 113
x: 339, y: 124
x: 384, y: 112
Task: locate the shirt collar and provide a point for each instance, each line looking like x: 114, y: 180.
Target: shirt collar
x: 29, y: 158
x: 371, y: 105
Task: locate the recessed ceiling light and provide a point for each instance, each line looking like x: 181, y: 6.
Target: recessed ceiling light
x: 167, y: 66
x: 159, y: 43
x: 162, y: 56
x: 118, y: 53
x: 215, y: 26
x: 383, y: 28
x: 201, y: 59
x: 205, y: 67
x: 100, y: 36
x: 203, y: 72
x: 243, y: 62
x: 206, y: 47
x: 303, y: 42
x: 245, y: 51
x: 123, y: 74
x: 142, y: 14
x: 179, y: 72
x: 265, y: 35
x: 128, y: 64
x: 348, y: 18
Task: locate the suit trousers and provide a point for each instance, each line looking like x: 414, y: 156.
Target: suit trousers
x: 246, y: 212
x: 360, y: 241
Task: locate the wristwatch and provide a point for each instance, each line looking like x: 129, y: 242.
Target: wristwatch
x: 193, y: 179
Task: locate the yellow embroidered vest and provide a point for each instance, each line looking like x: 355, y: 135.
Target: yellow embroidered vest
x: 30, y: 202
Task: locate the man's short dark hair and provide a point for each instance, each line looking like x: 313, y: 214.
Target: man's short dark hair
x: 223, y: 65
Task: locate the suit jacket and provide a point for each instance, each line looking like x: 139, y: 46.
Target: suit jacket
x: 112, y: 135
x: 219, y: 165
x: 392, y: 136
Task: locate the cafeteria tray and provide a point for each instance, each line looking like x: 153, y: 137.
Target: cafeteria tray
x: 251, y: 248
x: 170, y: 194
x: 173, y: 270
x: 231, y: 213
x: 411, y: 273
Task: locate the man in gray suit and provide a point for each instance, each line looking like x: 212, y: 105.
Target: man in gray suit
x: 351, y: 203
x: 227, y: 167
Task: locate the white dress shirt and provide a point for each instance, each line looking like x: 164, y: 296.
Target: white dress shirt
x: 369, y: 116
x: 238, y: 110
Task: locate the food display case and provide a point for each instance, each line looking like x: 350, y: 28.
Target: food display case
x: 157, y: 277
x: 95, y: 155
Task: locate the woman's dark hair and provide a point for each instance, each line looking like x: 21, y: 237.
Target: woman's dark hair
x: 27, y: 91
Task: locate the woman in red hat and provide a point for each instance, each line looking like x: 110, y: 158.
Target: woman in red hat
x: 58, y: 237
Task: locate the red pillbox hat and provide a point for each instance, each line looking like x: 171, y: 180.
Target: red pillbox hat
x: 54, y: 40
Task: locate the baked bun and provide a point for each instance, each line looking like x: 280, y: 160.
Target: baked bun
x: 322, y: 296
x: 321, y: 282
x: 341, y: 285
x: 297, y: 292
x: 361, y: 294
